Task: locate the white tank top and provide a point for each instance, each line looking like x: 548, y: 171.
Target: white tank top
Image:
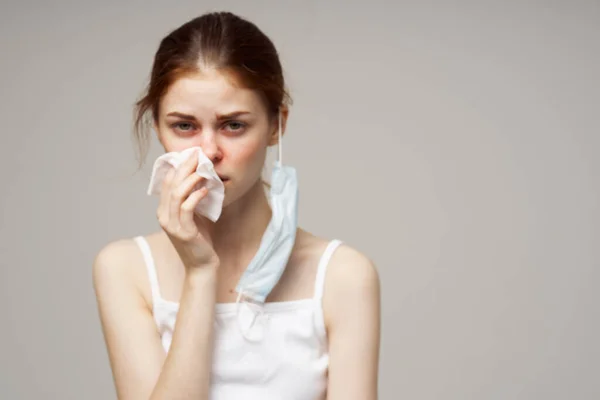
x: 279, y: 351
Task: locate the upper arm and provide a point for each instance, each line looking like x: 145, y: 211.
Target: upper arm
x: 130, y: 334
x: 352, y: 310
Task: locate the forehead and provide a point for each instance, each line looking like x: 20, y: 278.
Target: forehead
x: 209, y: 92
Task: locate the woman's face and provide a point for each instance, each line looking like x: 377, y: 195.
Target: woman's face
x: 231, y: 125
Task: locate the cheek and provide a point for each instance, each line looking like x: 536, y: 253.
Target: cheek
x: 174, y: 143
x: 247, y: 155
x: 177, y: 146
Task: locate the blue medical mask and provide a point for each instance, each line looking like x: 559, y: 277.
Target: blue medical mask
x: 269, y: 262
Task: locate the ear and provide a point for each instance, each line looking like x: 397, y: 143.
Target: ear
x: 284, y: 113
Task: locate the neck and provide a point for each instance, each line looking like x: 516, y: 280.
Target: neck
x: 238, y: 232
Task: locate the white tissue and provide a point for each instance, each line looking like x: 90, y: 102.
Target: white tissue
x: 211, y: 205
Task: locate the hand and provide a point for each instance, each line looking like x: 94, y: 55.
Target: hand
x: 189, y: 233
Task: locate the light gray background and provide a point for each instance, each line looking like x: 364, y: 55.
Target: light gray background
x: 453, y: 142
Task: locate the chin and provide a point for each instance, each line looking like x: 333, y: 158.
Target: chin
x: 230, y: 196
x: 234, y: 193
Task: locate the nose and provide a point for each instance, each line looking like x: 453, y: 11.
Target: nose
x: 210, y: 147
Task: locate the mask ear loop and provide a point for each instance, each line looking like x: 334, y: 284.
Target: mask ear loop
x: 237, y: 314
x: 256, y: 315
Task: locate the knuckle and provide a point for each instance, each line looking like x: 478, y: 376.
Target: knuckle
x: 186, y: 207
x: 163, y: 219
x: 183, y: 234
x: 177, y: 194
x: 187, y: 236
x: 167, y: 179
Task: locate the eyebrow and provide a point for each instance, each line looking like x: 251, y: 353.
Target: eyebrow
x: 220, y: 117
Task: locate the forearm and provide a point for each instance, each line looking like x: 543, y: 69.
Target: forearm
x: 187, y: 367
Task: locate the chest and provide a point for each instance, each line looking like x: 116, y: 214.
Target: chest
x: 297, y: 281
x: 279, y: 353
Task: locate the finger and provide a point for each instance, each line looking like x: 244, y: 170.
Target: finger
x: 180, y: 193
x: 176, y: 197
x: 186, y: 168
x: 165, y: 195
x: 189, y: 206
x: 189, y: 183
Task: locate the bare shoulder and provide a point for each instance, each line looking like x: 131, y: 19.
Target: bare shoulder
x: 351, y: 272
x: 112, y: 259
x: 352, y: 284
x: 118, y: 265
x: 348, y: 267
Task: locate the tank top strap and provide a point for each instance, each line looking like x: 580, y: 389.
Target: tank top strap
x: 150, y: 266
x: 322, y: 268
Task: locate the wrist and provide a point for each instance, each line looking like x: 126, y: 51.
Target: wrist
x: 202, y: 274
x: 200, y: 286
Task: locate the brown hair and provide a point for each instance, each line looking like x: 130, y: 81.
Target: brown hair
x: 219, y: 40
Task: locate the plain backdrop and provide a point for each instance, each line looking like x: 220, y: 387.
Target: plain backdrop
x: 454, y: 143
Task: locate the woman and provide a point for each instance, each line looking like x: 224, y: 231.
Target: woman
x: 167, y: 301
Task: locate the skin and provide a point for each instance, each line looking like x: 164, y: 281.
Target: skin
x: 198, y: 262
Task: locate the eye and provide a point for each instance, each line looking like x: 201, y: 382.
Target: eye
x: 235, y: 126
x: 183, y: 126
